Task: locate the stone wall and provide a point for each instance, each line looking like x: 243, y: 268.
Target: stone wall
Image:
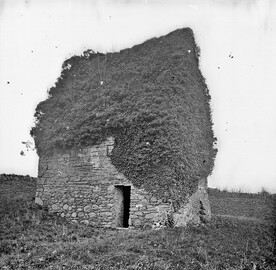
x: 13, y: 187
x: 81, y: 185
x: 197, y: 209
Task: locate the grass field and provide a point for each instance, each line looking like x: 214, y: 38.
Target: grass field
x: 30, y: 238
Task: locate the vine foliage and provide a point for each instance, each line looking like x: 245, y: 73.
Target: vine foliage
x: 151, y: 98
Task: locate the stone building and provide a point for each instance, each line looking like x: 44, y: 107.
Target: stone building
x: 125, y: 139
x: 83, y: 186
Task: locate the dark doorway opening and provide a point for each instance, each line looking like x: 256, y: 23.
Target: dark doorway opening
x: 122, y: 204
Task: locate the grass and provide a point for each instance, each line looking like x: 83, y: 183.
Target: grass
x: 31, y: 238
x: 240, y: 193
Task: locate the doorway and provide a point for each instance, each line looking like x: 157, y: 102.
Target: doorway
x: 122, y: 205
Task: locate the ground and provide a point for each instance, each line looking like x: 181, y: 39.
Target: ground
x: 30, y: 238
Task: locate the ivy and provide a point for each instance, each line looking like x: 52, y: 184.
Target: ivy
x: 152, y: 99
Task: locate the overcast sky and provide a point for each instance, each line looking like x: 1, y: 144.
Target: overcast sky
x: 238, y: 56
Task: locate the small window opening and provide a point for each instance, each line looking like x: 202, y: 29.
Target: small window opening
x: 122, y: 205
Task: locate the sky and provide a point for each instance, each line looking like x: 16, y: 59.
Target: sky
x: 237, y: 41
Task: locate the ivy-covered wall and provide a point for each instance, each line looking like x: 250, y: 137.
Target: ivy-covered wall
x: 81, y: 185
x: 152, y: 98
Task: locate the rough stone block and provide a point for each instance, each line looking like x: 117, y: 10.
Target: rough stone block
x: 85, y: 221
x: 38, y: 201
x: 55, y: 207
x: 87, y: 208
x: 96, y: 189
x: 110, y: 189
x: 91, y: 215
x: 150, y: 215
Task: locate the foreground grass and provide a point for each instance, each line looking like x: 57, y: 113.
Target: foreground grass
x: 30, y: 238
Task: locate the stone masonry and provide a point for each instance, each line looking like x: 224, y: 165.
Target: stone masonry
x: 84, y: 186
